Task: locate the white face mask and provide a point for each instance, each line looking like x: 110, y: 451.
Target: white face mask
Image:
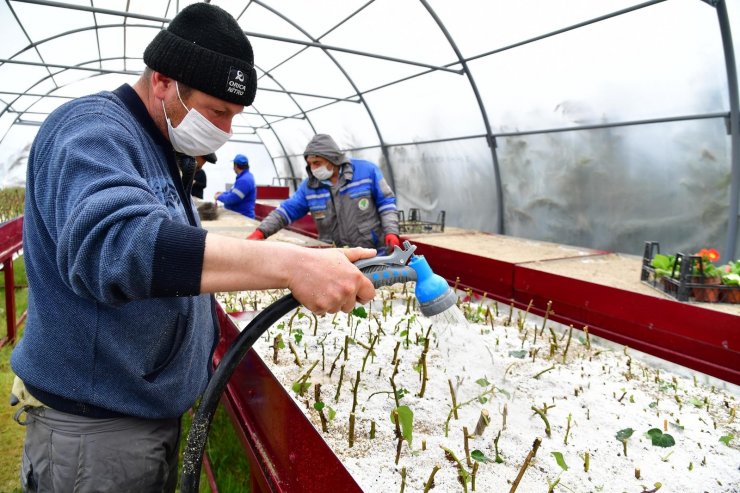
x: 195, y: 135
x: 322, y: 173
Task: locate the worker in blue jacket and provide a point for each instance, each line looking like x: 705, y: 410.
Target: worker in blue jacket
x: 349, y: 200
x: 243, y: 194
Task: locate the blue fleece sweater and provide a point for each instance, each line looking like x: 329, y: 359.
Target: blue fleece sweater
x: 242, y: 196
x: 114, y: 256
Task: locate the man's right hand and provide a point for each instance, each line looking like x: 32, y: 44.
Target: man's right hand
x: 328, y: 282
x: 324, y: 280
x: 256, y: 235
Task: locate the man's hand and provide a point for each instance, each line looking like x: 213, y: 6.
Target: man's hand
x: 256, y: 235
x: 392, y: 240
x: 324, y: 280
x: 328, y: 282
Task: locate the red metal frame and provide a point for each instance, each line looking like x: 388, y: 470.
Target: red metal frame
x: 269, y: 192
x: 284, y: 451
x: 11, y: 242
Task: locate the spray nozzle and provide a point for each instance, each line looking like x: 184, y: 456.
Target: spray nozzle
x: 432, y: 291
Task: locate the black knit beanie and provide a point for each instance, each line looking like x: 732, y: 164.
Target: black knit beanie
x: 205, y: 48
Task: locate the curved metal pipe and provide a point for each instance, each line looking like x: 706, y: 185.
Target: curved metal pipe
x: 383, y: 146
x: 489, y: 134
x: 730, y: 252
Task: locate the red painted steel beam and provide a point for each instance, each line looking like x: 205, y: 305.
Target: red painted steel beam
x: 692, y: 336
x: 11, y: 238
x: 11, y: 242
x: 285, y: 451
x: 9, y: 303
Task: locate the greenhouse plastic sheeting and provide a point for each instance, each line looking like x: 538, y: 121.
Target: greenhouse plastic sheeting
x: 597, y: 124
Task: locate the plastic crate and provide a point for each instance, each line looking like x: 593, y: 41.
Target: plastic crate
x: 682, y: 284
x: 415, y: 224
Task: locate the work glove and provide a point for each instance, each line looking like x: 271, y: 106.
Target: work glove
x: 256, y: 235
x: 392, y: 240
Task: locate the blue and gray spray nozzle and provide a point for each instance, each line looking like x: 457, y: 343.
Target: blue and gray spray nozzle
x: 432, y: 291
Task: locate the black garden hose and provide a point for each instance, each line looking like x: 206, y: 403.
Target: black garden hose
x: 201, y: 424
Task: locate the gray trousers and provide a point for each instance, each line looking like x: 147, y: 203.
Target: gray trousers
x: 67, y: 453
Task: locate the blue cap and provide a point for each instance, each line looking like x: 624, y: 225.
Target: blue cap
x: 241, y: 160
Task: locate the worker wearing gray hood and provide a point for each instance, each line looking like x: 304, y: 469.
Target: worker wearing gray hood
x: 349, y: 200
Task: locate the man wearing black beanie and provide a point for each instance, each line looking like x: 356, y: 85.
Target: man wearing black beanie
x: 120, y: 329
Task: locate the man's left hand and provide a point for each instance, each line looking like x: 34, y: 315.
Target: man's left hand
x: 392, y: 240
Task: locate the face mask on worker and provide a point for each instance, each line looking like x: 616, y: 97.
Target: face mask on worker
x: 195, y: 135
x: 322, y: 173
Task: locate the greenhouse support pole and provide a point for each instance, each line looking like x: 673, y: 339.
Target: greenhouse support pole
x: 734, y: 130
x: 490, y: 139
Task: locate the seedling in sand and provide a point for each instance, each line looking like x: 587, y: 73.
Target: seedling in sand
x: 319, y: 406
x: 462, y: 474
x: 660, y: 439
x: 430, y: 482
x: 525, y: 465
x: 623, y: 436
x: 561, y: 462
x: 726, y: 439
x: 541, y: 414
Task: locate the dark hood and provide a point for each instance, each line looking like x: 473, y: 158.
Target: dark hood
x: 323, y: 145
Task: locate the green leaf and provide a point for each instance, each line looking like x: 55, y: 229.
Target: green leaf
x: 660, y: 439
x: 726, y: 439
x: 404, y: 333
x: 559, y: 459
x: 663, y: 262
x: 406, y: 417
x: 521, y: 354
x: 418, y: 368
x: 299, y: 388
x: 331, y: 413
x: 697, y: 402
x: 482, y: 399
x: 479, y: 456
x: 318, y: 405
x: 281, y: 344
x: 483, y: 382
x: 359, y: 312
x: 301, y: 315
x: 624, y: 434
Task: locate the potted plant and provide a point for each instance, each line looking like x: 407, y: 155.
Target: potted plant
x: 667, y: 271
x: 730, y: 274
x: 706, y: 272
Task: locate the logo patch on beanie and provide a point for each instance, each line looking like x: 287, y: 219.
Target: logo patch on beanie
x: 236, y: 84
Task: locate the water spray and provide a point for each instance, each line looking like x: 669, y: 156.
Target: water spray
x: 433, y: 293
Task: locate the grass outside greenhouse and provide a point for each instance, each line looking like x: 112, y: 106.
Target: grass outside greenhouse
x: 223, y: 446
